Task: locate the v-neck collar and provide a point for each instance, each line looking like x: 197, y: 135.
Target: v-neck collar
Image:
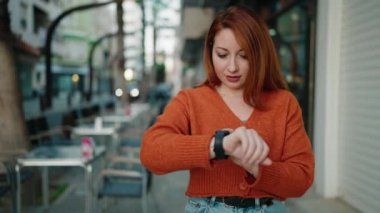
x: 227, y: 109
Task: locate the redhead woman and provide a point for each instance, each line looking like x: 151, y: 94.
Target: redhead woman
x: 240, y: 134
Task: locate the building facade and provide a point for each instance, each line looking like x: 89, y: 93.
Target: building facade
x: 71, y: 44
x: 347, y: 102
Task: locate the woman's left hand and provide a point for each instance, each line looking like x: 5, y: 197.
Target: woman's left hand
x: 251, y: 168
x: 252, y: 153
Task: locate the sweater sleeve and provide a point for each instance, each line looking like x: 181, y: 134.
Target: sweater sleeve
x: 168, y: 146
x: 294, y: 173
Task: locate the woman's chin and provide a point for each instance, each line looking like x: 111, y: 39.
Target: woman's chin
x: 234, y: 86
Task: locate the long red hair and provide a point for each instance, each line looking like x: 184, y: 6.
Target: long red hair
x: 252, y: 34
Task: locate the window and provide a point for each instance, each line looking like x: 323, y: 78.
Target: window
x: 23, y: 15
x: 40, y: 19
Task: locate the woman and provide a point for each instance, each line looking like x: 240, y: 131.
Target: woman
x: 240, y: 134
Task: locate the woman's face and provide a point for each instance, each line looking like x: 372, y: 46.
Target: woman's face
x: 229, y: 60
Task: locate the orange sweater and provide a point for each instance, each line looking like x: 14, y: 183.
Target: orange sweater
x: 180, y: 140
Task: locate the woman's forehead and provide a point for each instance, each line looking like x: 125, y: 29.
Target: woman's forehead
x: 225, y: 39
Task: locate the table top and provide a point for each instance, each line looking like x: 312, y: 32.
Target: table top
x: 121, y: 117
x: 58, y: 156
x: 117, y: 118
x: 91, y: 130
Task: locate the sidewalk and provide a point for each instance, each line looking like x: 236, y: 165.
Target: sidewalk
x: 313, y: 203
x: 167, y: 196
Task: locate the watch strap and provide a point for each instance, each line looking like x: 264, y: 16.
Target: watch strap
x: 218, y: 144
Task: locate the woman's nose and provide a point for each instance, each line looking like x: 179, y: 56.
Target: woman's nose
x: 232, y: 65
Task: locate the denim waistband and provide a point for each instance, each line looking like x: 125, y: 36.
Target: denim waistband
x: 241, y: 202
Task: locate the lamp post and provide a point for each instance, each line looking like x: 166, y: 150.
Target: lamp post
x: 120, y: 59
x: 48, y: 44
x: 91, y: 57
x: 90, y: 62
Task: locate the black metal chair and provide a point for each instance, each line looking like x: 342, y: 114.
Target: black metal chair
x: 124, y: 177
x: 131, y: 147
x: 8, y: 181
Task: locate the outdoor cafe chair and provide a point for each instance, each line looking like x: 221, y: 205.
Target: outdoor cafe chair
x: 124, y: 177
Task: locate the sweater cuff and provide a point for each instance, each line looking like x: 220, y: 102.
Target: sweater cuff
x: 197, y: 152
x: 268, y: 176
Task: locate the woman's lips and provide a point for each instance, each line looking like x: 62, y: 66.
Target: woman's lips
x: 233, y: 79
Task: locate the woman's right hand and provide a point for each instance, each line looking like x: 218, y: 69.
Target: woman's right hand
x: 246, y: 147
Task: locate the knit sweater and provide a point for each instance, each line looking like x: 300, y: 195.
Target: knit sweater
x: 180, y: 140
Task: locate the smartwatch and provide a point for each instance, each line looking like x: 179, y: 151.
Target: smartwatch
x: 218, y: 144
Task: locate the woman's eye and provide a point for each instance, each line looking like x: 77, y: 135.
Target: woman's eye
x: 243, y: 56
x: 222, y: 55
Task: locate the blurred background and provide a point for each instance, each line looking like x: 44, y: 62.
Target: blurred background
x: 64, y: 63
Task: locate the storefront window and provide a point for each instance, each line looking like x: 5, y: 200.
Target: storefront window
x: 291, y: 33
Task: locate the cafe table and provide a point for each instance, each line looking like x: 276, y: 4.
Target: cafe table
x: 59, y: 156
x: 98, y: 130
x: 126, y: 116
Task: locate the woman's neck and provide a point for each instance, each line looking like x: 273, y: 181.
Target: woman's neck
x: 225, y: 92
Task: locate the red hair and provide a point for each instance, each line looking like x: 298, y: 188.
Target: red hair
x: 252, y: 35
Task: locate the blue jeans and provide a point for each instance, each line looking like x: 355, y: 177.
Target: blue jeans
x: 208, y: 205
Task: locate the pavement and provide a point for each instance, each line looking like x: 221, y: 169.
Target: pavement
x: 167, y: 196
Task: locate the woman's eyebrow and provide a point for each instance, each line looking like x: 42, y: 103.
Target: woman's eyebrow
x: 225, y: 49
x: 221, y: 48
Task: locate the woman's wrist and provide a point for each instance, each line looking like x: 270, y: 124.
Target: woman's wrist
x: 212, y: 153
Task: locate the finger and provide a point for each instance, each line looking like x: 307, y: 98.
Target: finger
x: 267, y: 162
x: 240, y: 136
x: 264, y: 153
x: 245, y: 143
x: 247, y: 150
x: 258, y: 152
x: 252, y: 147
x: 261, y: 153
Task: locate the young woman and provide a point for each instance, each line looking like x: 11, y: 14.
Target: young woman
x: 240, y: 133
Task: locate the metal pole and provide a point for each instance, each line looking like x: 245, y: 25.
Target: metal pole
x: 120, y: 63
x: 91, y: 57
x: 45, y: 188
x: 48, y: 43
x: 90, y: 62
